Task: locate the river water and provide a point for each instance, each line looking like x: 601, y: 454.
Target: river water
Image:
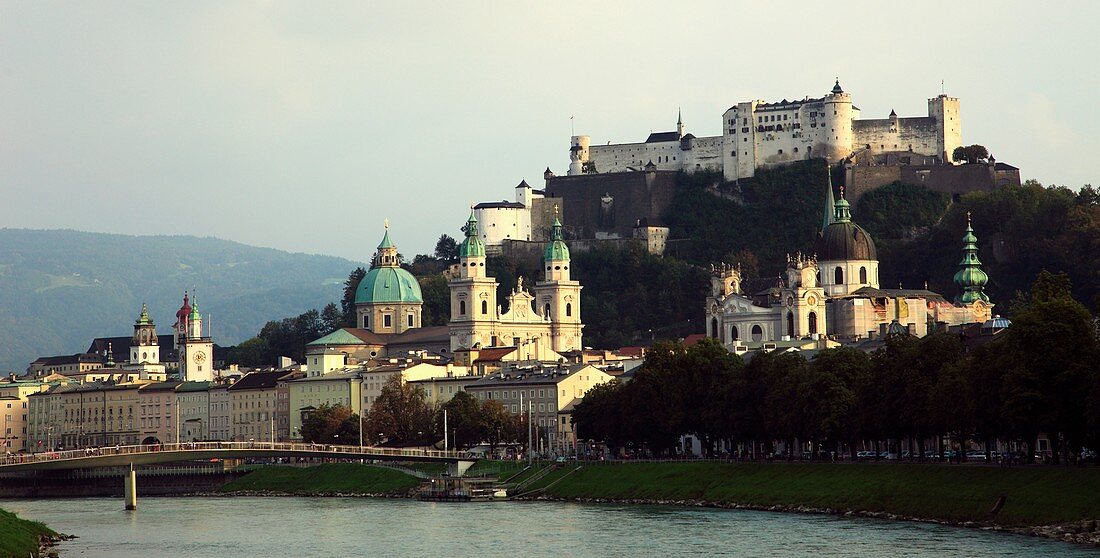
x: 201, y: 527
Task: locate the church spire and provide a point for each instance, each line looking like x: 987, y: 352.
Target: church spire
x: 970, y: 275
x: 387, y: 250
x: 830, y: 202
x: 472, y: 246
x: 843, y: 211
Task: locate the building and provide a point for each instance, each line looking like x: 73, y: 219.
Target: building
x: 388, y: 299
x: 15, y: 413
x: 305, y: 395
x: 835, y: 294
x: 84, y: 415
x: 549, y: 319
x: 75, y: 365
x: 193, y: 407
x: 196, y: 351
x: 409, y: 370
x: 160, y: 417
x: 758, y: 134
x: 252, y: 404
x: 220, y: 413
x: 541, y: 390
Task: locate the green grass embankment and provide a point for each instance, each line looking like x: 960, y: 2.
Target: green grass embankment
x: 20, y: 537
x: 1034, y: 496
x: 329, y: 478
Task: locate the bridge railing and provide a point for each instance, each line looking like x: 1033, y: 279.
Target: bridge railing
x: 369, y: 452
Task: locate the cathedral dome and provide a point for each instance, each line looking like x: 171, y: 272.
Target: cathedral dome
x: 388, y: 284
x: 844, y: 241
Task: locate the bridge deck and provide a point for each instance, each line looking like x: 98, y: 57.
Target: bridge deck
x: 168, y: 453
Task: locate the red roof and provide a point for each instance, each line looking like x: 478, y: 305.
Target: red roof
x: 694, y: 339
x: 494, y: 354
x: 632, y: 351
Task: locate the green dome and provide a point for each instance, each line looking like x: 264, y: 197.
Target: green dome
x: 472, y: 246
x: 556, y: 250
x: 388, y: 284
x: 970, y: 275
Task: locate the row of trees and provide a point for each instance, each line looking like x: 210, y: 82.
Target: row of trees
x: 1039, y: 376
x: 402, y: 415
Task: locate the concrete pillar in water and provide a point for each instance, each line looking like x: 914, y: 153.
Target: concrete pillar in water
x: 131, y: 488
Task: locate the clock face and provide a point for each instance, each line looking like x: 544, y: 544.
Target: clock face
x: 200, y: 356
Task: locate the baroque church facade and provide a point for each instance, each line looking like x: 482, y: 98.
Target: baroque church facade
x: 834, y: 295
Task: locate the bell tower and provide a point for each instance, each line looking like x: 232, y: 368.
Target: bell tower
x: 473, y: 294
x: 145, y: 346
x: 558, y: 298
x: 197, y: 354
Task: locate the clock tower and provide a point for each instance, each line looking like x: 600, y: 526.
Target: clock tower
x: 197, y: 355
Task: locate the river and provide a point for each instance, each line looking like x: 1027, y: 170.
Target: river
x: 200, y: 527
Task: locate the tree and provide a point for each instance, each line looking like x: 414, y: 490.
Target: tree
x: 253, y: 352
x: 400, y: 415
x: 465, y: 420
x: 970, y: 154
x: 347, y: 303
x: 331, y: 425
x: 331, y: 318
x: 446, y: 249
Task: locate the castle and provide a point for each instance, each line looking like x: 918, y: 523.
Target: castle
x: 834, y: 296
x: 758, y: 134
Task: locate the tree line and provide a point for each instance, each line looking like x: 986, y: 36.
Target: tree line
x: 914, y: 394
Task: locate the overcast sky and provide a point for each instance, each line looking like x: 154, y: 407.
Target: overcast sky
x: 301, y: 126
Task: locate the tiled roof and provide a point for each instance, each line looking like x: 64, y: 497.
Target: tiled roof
x: 494, y: 354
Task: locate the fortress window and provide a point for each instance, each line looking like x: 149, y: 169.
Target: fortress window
x: 780, y: 152
x: 796, y: 150
x: 485, y: 307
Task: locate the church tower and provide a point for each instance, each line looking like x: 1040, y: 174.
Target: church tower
x: 803, y: 299
x: 970, y: 276
x: 845, y: 252
x: 145, y: 346
x: 197, y: 354
x: 473, y: 295
x: 558, y: 298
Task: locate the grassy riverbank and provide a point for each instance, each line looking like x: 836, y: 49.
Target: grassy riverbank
x: 20, y: 537
x: 329, y: 478
x: 1033, y: 496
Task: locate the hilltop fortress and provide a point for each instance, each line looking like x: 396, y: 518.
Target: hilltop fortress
x: 759, y: 134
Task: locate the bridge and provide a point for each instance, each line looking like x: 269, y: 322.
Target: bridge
x: 149, y: 454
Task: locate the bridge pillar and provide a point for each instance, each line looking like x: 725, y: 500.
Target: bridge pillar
x: 459, y: 468
x: 130, y: 488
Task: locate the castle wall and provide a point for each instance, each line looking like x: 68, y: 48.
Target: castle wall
x: 499, y: 223
x: 625, y: 157
x: 609, y: 205
x: 920, y: 135
x: 951, y: 179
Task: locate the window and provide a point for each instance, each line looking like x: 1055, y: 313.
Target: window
x: 790, y: 324
x: 838, y: 276
x: 485, y: 307
x: 813, y: 322
x: 714, y: 328
x: 410, y: 320
x: 387, y: 320
x: 462, y: 307
x: 757, y: 333
x: 568, y: 309
x: 862, y: 274
x: 546, y: 311
x: 733, y: 333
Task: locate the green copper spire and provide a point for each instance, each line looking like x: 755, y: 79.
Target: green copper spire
x: 970, y: 275
x: 144, y: 318
x: 472, y: 246
x: 386, y: 242
x: 556, y: 250
x: 195, y: 308
x: 830, y: 202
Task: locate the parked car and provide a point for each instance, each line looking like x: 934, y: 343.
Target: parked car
x: 975, y: 455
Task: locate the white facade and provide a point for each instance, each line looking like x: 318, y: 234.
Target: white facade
x: 757, y: 134
x: 505, y: 220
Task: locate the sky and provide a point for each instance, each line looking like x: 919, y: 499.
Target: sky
x: 303, y: 125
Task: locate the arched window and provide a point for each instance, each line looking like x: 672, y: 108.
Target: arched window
x: 485, y: 307
x: 546, y: 311
x: 714, y: 328
x: 813, y: 322
x: 733, y: 333
x: 568, y: 308
x: 790, y: 324
x: 462, y: 307
x: 863, y: 275
x: 838, y: 276
x: 757, y: 333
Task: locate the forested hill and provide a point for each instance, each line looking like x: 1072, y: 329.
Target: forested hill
x: 1021, y: 230
x: 59, y: 289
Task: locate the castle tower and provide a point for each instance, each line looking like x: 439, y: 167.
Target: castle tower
x: 970, y: 276
x: 558, y: 297
x: 197, y: 355
x: 680, y: 123
x: 948, y: 124
x: 388, y: 298
x: 578, y: 154
x: 144, y: 346
x: 473, y: 294
x: 846, y: 253
x: 837, y: 136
